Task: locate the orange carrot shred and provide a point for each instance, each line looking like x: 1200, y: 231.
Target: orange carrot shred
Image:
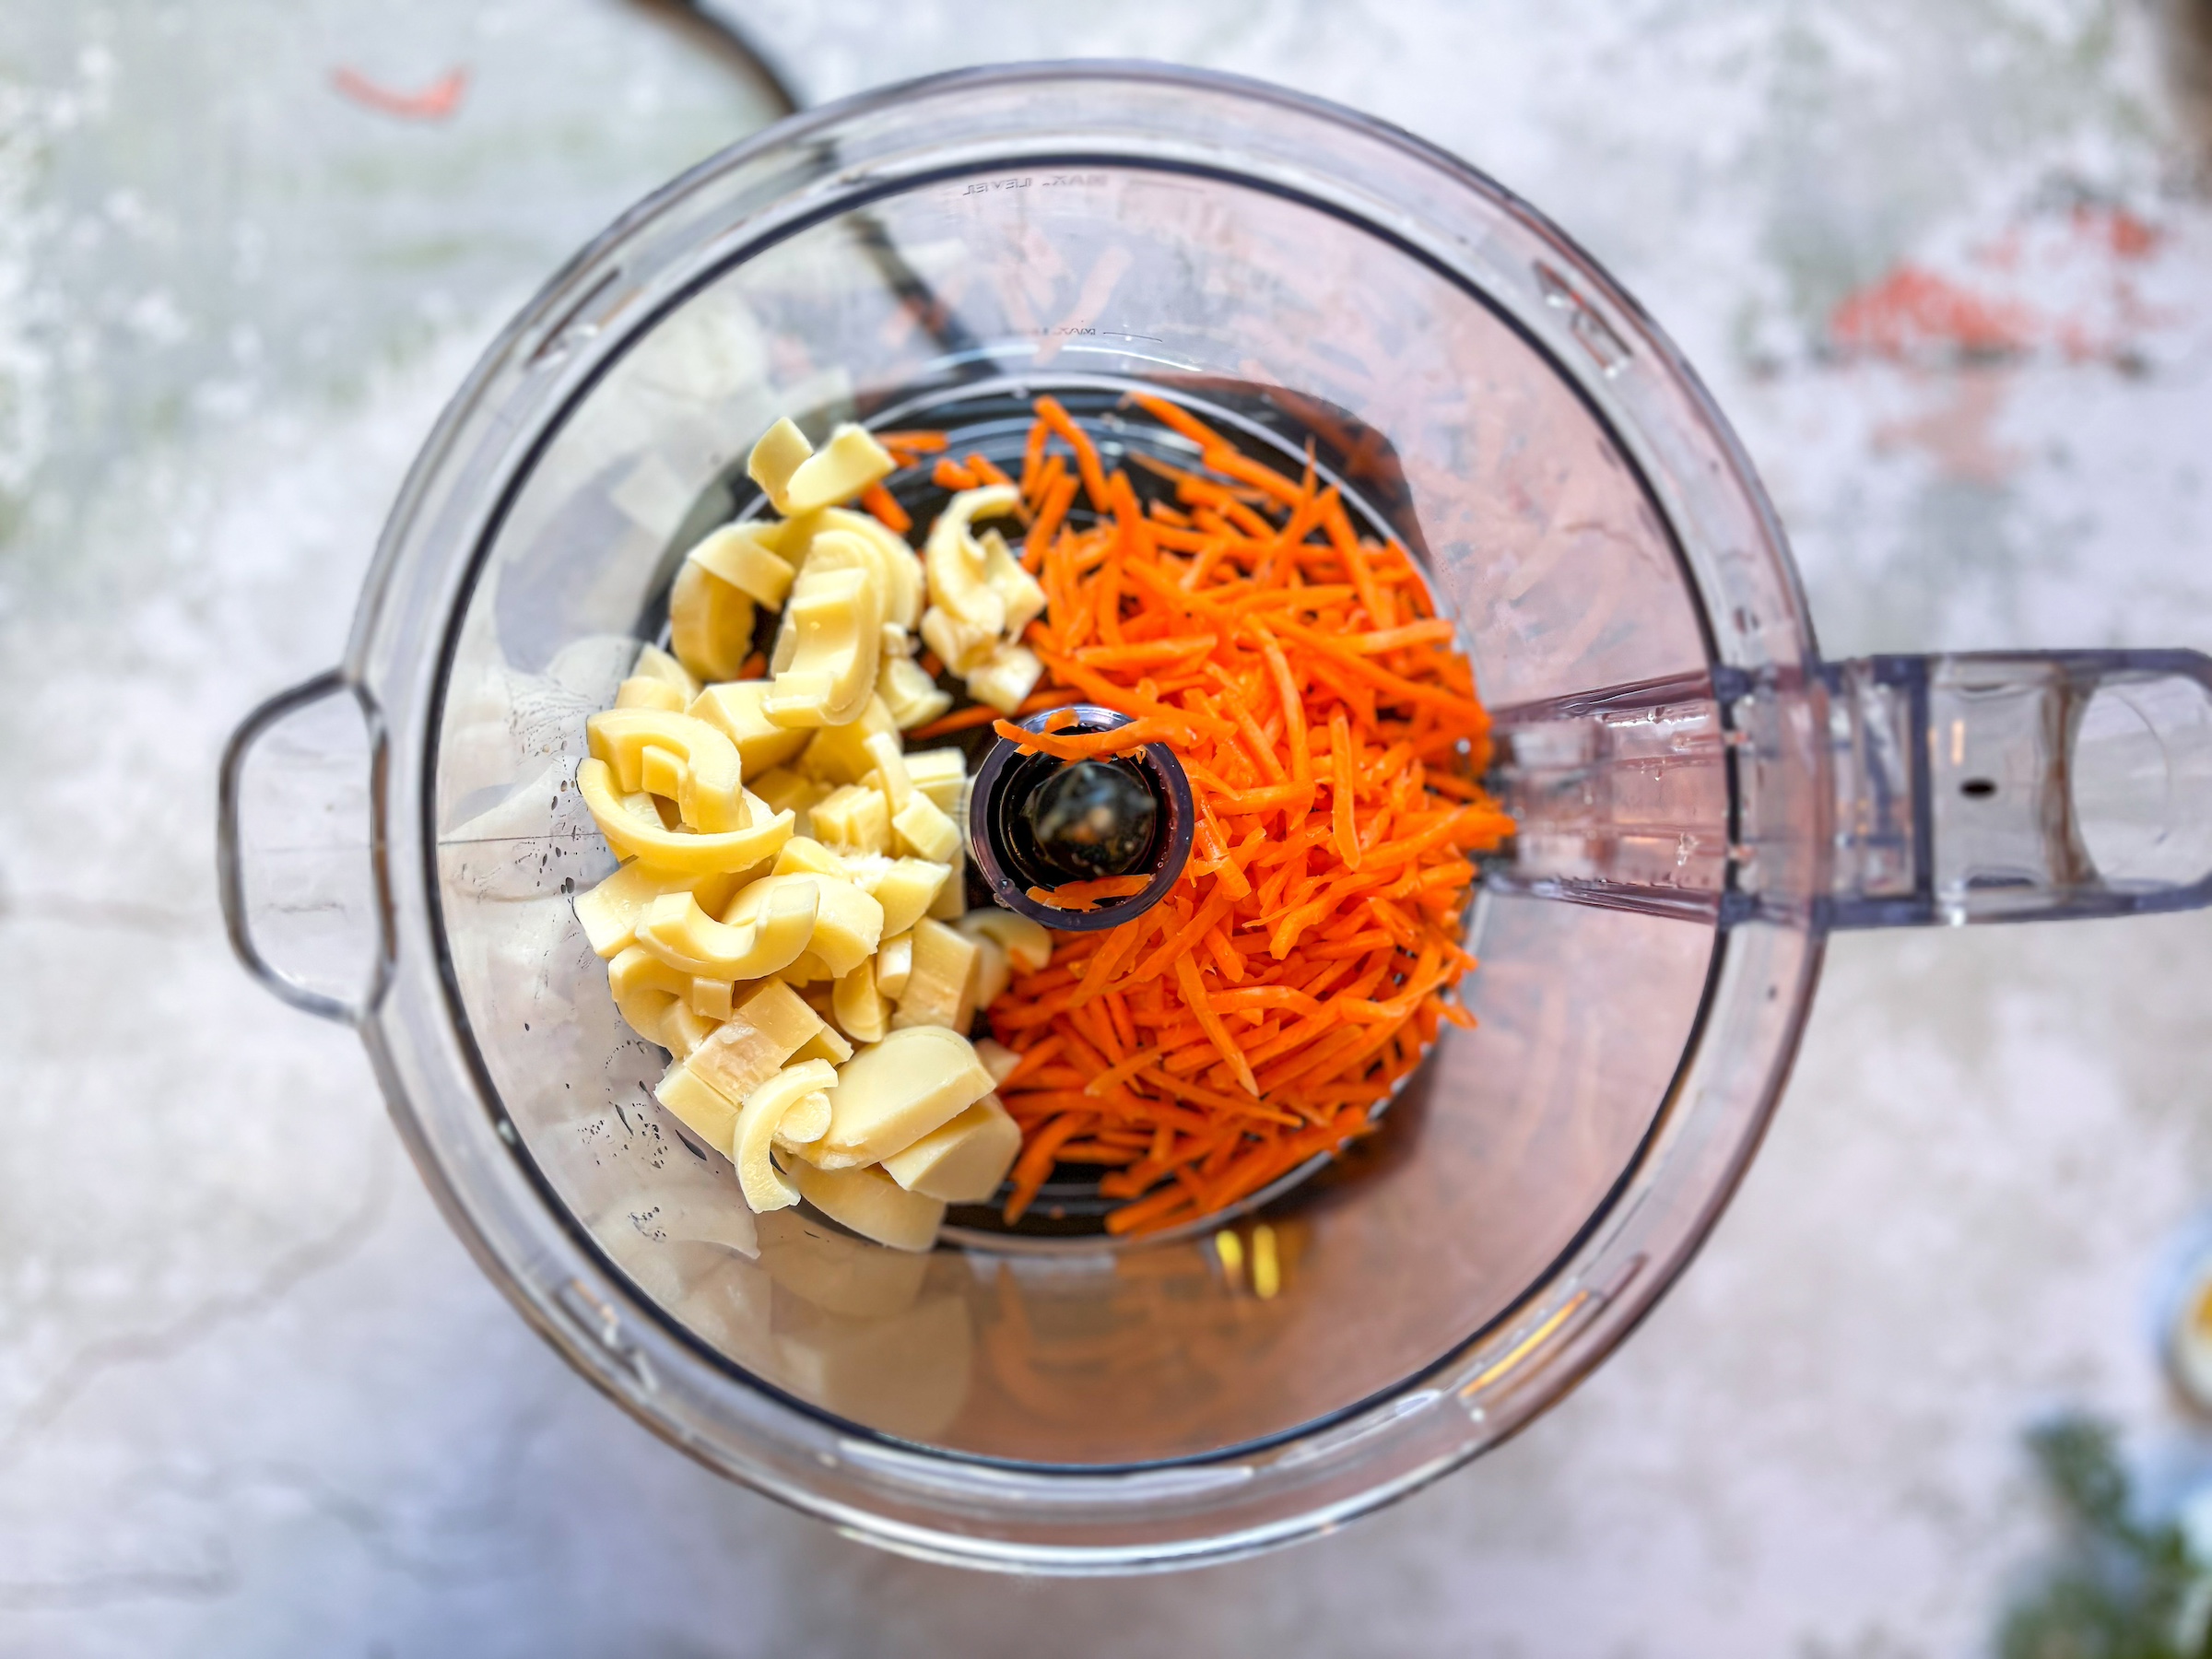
x: 1059, y: 494
x: 1311, y: 952
x: 1340, y: 755
x: 1032, y: 457
x: 919, y: 442
x: 1050, y: 411
x: 885, y: 506
x: 961, y: 719
x: 1209, y: 1021
x: 1085, y: 895
x: 1036, y: 1161
x: 985, y: 471
x: 1087, y: 745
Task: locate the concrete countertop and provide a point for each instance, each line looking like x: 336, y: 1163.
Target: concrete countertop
x: 1947, y: 263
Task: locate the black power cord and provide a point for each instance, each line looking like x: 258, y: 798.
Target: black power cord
x: 715, y: 31
x: 720, y: 36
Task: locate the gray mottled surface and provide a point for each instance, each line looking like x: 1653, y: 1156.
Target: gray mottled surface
x: 255, y: 1400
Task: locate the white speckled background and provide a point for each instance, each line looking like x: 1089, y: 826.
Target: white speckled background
x: 253, y: 1398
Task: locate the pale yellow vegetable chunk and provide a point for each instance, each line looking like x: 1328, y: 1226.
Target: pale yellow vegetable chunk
x: 1008, y: 675
x: 802, y: 1126
x: 939, y: 990
x: 783, y: 1013
x: 827, y: 1043
x: 889, y: 1096
x: 962, y: 1162
x: 643, y: 691
x: 990, y: 973
x: 732, y: 707
x: 645, y: 989
x: 894, y: 561
x: 859, y: 1006
x: 803, y: 855
x: 745, y: 556
x: 960, y: 646
x: 683, y: 1029
x: 955, y: 560
x: 784, y: 790
x: 828, y: 648
x: 905, y: 888
x: 927, y: 830
x: 1023, y: 598
x: 780, y: 452
x: 674, y: 755
x: 889, y: 773
x: 951, y: 902
x: 768, y: 1028
x: 848, y: 924
x: 675, y: 850
x: 853, y: 819
x: 866, y: 869
x: 709, y: 624
x: 698, y: 1106
x: 652, y: 814
x: 872, y: 1205
x: 655, y: 663
x: 790, y: 1107
x: 1028, y: 946
x: 805, y: 972
x: 667, y: 777
x: 840, y: 754
x: 649, y: 993
x: 907, y: 690
x: 712, y: 999
x: 938, y: 773
x: 894, y: 964
x: 611, y: 911
x: 998, y: 1059
x: 852, y: 462
x: 768, y: 938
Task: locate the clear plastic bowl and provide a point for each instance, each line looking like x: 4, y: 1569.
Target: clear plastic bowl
x: 1583, y: 512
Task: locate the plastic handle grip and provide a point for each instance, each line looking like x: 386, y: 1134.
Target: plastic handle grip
x: 288, y: 860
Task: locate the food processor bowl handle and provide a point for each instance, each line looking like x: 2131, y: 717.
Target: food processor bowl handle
x: 1886, y: 791
x: 298, y: 847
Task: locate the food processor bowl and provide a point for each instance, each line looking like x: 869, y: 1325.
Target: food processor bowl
x: 1699, y: 797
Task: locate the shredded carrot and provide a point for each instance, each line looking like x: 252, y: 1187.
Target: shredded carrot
x: 1328, y: 725
x: 1032, y: 459
x: 1085, y: 895
x: 1038, y: 1155
x: 1053, y: 416
x: 1056, y: 493
x: 1090, y: 746
x: 1345, y: 820
x: 917, y: 443
x: 885, y: 506
x: 985, y: 471
x: 975, y: 714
